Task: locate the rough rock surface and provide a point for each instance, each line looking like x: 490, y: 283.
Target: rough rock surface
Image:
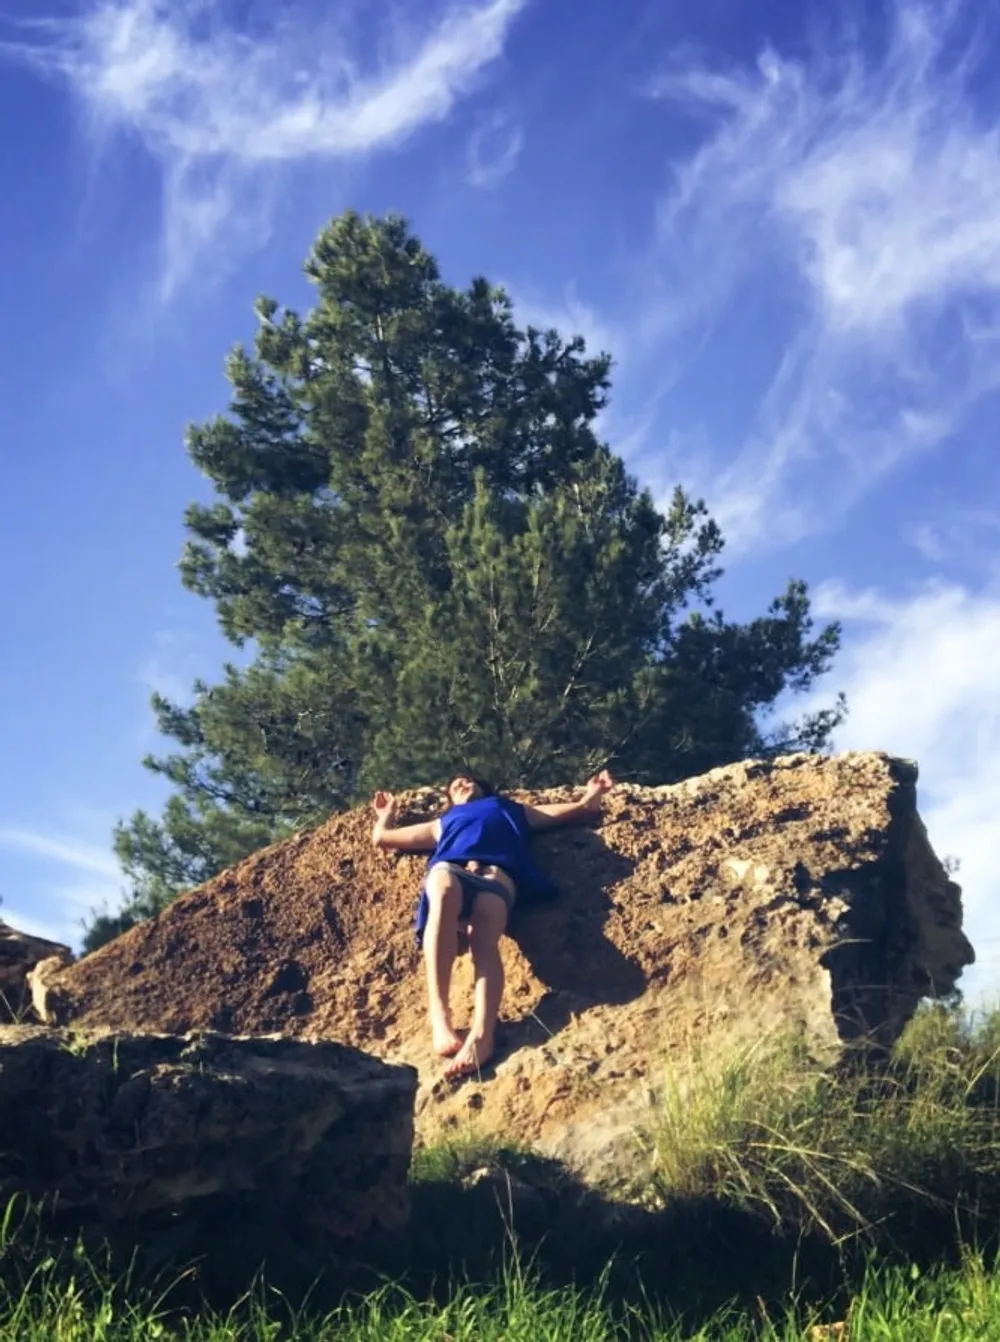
x: 799, y: 892
x: 19, y: 954
x: 124, y: 1127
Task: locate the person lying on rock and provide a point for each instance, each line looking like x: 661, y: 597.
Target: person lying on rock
x: 479, y: 865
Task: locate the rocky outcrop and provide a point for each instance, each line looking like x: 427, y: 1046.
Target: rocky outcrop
x: 134, y: 1128
x: 796, y: 893
x: 19, y: 954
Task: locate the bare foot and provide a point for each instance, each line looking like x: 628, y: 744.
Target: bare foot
x: 446, y: 1042
x: 470, y: 1058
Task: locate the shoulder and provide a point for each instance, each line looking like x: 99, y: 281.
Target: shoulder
x: 513, y: 809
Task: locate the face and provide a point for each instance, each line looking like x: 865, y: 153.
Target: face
x: 463, y: 789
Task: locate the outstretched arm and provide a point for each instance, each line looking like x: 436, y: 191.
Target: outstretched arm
x: 420, y: 838
x: 568, y: 812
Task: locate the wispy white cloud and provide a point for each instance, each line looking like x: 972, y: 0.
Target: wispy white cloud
x: 68, y: 879
x: 49, y: 929
x: 570, y: 316
x: 968, y: 536
x: 173, y: 666
x: 859, y: 188
x: 62, y: 850
x: 920, y: 677
x: 493, y: 149
x: 180, y: 656
x: 218, y: 105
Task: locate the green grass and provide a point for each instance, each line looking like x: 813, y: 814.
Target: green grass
x: 857, y: 1154
x: 776, y: 1201
x: 455, y: 1158
x: 890, y: 1304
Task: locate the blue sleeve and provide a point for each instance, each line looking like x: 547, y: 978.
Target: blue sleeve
x: 515, y: 812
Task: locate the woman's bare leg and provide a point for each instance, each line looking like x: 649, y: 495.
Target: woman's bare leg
x: 489, y: 920
x: 444, y: 894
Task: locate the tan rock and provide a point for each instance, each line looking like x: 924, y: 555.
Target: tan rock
x: 19, y: 954
x: 47, y: 1002
x: 126, y: 1127
x: 798, y: 893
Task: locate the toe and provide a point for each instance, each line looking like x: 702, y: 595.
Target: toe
x: 467, y: 1062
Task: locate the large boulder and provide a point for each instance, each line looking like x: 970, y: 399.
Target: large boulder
x: 795, y: 893
x: 19, y: 954
x: 133, y: 1128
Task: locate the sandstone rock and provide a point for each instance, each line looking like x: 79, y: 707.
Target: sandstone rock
x: 796, y: 893
x: 126, y: 1127
x: 19, y: 954
x: 46, y: 1000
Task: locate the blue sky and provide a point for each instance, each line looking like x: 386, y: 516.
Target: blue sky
x: 784, y: 226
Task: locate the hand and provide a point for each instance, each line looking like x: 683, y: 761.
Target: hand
x: 383, y: 804
x: 596, y: 787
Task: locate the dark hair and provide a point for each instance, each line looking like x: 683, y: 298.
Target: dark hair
x: 487, y: 789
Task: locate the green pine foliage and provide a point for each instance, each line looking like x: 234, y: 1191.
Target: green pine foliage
x: 435, y: 562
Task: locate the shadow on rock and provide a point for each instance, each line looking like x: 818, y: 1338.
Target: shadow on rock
x: 565, y: 943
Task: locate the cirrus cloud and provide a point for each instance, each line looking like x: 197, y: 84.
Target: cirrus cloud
x: 493, y: 150
x: 219, y: 105
x: 859, y: 187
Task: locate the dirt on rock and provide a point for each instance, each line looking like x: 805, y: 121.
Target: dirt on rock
x: 799, y: 892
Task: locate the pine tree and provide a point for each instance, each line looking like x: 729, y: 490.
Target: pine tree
x: 436, y: 563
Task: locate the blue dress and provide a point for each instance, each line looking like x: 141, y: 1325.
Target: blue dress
x: 494, y: 831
